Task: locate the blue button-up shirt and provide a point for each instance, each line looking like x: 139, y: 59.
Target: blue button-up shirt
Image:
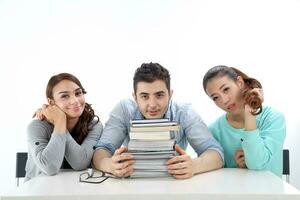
x: 192, y: 127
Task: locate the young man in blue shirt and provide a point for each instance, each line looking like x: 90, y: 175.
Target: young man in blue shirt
x: 152, y: 95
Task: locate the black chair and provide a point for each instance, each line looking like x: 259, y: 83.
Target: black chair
x: 21, y: 160
x: 286, y: 165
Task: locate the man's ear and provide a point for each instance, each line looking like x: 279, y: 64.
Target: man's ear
x: 50, y: 101
x: 134, y: 97
x: 171, y: 93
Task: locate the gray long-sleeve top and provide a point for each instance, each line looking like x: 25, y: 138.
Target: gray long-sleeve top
x: 47, y: 149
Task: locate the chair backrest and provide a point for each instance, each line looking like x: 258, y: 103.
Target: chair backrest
x: 286, y: 164
x: 21, y: 160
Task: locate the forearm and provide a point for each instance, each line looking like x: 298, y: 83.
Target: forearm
x: 60, y: 125
x: 77, y: 155
x: 207, y: 161
x: 101, y: 160
x: 48, y: 157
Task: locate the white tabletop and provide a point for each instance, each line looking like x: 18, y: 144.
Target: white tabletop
x: 220, y: 184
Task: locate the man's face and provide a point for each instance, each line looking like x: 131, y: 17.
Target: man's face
x: 152, y: 98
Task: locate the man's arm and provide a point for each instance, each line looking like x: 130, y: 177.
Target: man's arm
x: 208, y: 161
x: 119, y: 164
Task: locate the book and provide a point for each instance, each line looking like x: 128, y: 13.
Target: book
x: 150, y: 135
x: 159, y: 124
x: 149, y: 174
x: 150, y: 162
x: 151, y: 154
x: 151, y: 145
x: 150, y: 167
x: 146, y: 121
x: 155, y: 129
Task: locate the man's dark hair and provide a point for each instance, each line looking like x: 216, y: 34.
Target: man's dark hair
x: 149, y: 72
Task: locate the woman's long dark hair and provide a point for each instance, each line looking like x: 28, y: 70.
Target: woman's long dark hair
x: 83, y: 126
x: 250, y: 97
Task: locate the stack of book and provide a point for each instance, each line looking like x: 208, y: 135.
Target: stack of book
x: 151, y: 144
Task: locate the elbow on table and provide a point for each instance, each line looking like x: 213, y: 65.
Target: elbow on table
x: 256, y: 165
x: 50, y: 171
x: 81, y: 166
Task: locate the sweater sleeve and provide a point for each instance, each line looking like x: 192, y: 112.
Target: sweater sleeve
x: 262, y: 144
x: 47, y: 153
x: 79, y: 156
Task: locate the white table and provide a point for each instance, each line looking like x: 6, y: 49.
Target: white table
x: 221, y: 184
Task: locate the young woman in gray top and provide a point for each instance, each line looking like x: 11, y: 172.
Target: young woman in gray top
x: 67, y: 128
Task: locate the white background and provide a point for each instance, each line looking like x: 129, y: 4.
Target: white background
x: 103, y: 42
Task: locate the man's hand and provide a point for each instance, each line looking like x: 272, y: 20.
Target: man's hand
x: 182, y: 166
x: 240, y: 158
x: 121, y: 164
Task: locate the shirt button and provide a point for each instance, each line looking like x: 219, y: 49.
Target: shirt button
x: 37, y: 143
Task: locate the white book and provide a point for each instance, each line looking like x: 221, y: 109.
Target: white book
x: 153, y: 145
x: 155, y: 128
x: 153, y: 156
x: 148, y: 135
x: 148, y: 174
x: 145, y: 121
x: 154, y: 124
x: 150, y: 167
x: 150, y: 162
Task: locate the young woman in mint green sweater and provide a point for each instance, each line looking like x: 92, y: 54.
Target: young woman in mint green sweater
x: 252, y: 135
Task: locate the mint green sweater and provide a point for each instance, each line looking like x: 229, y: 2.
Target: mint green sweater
x: 262, y: 147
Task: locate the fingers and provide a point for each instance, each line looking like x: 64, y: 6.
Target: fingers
x: 181, y: 167
x: 241, y: 163
x: 39, y: 114
x: 121, y: 150
x: 176, y: 166
x: 239, y: 153
x: 179, y: 150
x: 122, y: 163
x: 177, y: 159
x: 240, y: 158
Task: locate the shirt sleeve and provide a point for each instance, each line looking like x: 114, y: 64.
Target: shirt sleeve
x: 198, y: 135
x: 261, y: 144
x: 47, y: 153
x: 79, y: 156
x: 115, y: 130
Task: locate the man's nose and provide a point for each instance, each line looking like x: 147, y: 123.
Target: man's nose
x: 152, y: 102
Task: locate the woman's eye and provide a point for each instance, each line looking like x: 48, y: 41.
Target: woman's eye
x: 215, y: 98
x: 65, y: 96
x: 226, y: 89
x: 79, y: 93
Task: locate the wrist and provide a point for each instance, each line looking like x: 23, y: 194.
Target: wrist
x: 106, y: 164
x: 60, y: 126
